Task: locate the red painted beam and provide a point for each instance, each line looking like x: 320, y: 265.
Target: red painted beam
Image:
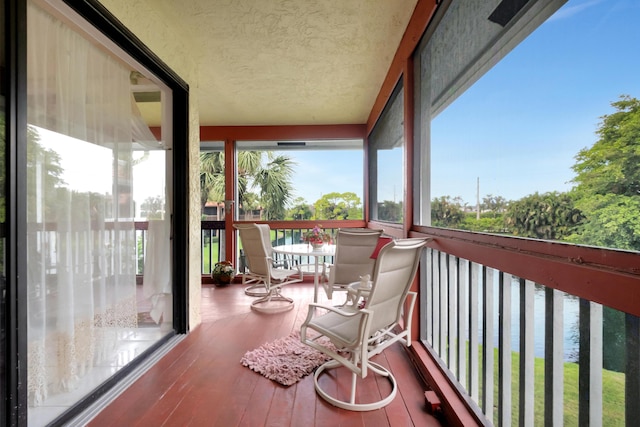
x: 418, y: 23
x: 271, y: 133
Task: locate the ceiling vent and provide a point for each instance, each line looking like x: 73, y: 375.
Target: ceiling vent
x: 506, y: 10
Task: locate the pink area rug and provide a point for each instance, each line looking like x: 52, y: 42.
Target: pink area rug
x: 285, y: 360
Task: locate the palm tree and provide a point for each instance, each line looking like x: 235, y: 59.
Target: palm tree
x: 248, y: 164
x: 211, y: 177
x: 272, y: 180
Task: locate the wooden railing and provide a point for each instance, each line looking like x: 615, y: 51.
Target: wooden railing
x: 516, y: 326
x: 284, y: 232
x: 213, y: 237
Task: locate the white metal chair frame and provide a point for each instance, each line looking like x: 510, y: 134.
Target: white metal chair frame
x: 256, y: 241
x: 255, y: 284
x: 352, y: 259
x: 360, y: 334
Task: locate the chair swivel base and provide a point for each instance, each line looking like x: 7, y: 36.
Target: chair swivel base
x: 272, y: 304
x: 256, y: 290
x: 351, y: 405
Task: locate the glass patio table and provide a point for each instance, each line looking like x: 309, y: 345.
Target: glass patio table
x: 305, y: 249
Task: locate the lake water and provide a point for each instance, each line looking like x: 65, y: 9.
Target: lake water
x: 570, y: 321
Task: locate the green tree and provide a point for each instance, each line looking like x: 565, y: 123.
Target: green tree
x: 608, y: 180
x: 211, y: 177
x: 488, y: 223
x: 274, y: 181
x: 338, y: 206
x: 447, y: 211
x: 250, y: 202
x: 494, y: 204
x: 271, y: 177
x: 612, y: 164
x: 300, y: 210
x: 248, y: 164
x: 612, y: 221
x: 550, y: 216
x: 608, y: 191
x: 390, y: 211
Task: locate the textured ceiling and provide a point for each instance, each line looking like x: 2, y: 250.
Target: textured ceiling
x: 283, y: 62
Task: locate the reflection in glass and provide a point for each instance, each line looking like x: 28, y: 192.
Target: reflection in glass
x: 93, y: 168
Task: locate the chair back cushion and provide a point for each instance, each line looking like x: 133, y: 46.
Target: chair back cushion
x: 266, y: 236
x: 256, y: 248
x: 394, y: 273
x: 353, y: 254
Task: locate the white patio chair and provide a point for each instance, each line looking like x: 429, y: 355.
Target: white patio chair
x: 256, y: 243
x: 255, y: 286
x: 360, y: 334
x: 354, y: 247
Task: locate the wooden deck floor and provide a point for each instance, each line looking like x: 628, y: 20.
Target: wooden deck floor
x: 201, y: 382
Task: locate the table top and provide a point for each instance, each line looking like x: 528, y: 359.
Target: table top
x: 306, y: 249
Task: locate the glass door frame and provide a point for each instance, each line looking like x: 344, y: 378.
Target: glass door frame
x: 14, y: 411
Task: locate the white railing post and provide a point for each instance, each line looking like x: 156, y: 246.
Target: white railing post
x: 463, y: 319
x: 526, y: 353
x: 487, y: 342
x: 453, y: 313
x: 504, y: 348
x: 474, y: 368
x: 444, y: 307
x: 436, y: 304
x: 427, y: 297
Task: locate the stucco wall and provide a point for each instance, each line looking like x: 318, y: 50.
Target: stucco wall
x: 156, y: 31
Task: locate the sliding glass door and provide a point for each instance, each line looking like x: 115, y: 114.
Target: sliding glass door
x: 98, y: 211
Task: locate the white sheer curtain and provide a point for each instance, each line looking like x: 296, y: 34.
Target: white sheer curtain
x: 81, y: 236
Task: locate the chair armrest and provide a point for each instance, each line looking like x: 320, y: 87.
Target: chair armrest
x: 359, y: 340
x: 313, y: 307
x: 275, y: 263
x: 346, y: 313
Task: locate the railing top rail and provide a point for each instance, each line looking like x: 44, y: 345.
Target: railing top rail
x: 607, y: 276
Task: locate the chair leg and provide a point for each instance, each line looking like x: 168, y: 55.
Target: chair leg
x: 353, y: 388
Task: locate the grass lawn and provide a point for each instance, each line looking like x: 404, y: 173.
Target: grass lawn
x: 206, y: 250
x: 612, y: 394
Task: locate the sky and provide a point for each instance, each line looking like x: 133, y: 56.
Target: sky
x: 317, y: 171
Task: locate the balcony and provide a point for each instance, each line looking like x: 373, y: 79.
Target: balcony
x: 541, y: 307
x: 510, y: 330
